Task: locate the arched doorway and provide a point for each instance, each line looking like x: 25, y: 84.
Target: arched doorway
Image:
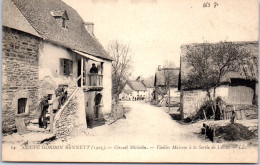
x: 97, y: 106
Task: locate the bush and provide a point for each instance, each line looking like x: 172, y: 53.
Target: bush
x: 207, y: 108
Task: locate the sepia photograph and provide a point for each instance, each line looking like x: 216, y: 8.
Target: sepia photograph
x: 130, y: 81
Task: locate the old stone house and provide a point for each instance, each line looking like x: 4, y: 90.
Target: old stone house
x: 46, y: 45
x: 133, y: 90
x: 126, y: 94
x: 149, y: 84
x: 161, y: 87
x: 236, y: 89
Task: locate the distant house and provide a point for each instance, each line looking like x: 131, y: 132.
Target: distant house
x: 161, y: 88
x: 237, y: 88
x: 149, y: 84
x: 126, y: 94
x: 135, y: 90
x: 47, y: 45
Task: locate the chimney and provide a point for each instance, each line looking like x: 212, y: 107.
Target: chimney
x: 89, y: 26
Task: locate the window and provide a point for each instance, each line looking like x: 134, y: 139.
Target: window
x: 61, y: 16
x: 21, y: 105
x: 66, y: 66
x: 63, y: 23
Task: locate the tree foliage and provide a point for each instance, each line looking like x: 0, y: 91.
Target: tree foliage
x: 169, y: 73
x: 121, y: 66
x: 209, y: 64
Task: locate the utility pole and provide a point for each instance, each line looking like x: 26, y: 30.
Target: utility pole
x: 167, y: 80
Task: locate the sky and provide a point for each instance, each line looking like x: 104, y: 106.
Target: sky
x: 156, y: 29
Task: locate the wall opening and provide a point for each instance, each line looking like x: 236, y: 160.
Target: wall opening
x: 22, y: 105
x: 97, y: 100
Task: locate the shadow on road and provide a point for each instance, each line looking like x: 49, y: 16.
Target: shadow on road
x: 127, y: 109
x: 175, y: 116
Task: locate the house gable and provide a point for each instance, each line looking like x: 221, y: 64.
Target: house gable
x: 13, y: 18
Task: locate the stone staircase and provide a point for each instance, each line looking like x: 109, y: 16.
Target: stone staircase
x: 71, y: 90
x: 33, y: 126
x: 71, y: 120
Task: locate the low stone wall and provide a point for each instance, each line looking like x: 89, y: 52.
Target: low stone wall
x: 72, y: 120
x: 117, y: 112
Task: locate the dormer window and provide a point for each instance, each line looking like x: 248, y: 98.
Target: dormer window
x: 61, y: 17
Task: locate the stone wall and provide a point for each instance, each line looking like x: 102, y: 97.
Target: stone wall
x: 72, y: 119
x: 20, y: 75
x: 191, y: 102
x: 117, y: 112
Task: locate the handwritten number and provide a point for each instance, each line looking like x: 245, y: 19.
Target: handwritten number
x: 215, y: 4
x: 207, y: 4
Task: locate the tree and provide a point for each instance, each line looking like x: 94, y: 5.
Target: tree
x: 209, y: 63
x: 169, y: 73
x: 169, y: 77
x: 121, y: 66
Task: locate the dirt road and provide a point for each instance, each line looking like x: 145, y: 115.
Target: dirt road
x: 148, y: 134
x: 145, y: 123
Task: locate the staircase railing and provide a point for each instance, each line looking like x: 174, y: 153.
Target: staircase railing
x: 53, y: 118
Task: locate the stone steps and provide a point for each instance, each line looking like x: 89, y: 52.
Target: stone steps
x: 70, y: 90
x: 34, y: 124
x: 35, y: 128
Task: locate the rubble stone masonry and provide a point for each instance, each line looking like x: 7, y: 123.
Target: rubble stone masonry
x: 72, y: 120
x: 20, y: 75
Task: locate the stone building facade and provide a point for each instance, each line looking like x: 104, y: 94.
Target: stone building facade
x: 46, y: 45
x: 20, y: 78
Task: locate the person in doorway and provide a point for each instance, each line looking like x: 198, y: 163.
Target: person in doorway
x: 93, y: 69
x: 97, y: 100
x: 41, y: 113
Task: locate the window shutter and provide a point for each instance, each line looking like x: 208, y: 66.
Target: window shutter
x: 71, y: 67
x: 61, y: 66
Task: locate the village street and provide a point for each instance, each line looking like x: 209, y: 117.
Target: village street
x: 144, y: 124
x: 147, y: 133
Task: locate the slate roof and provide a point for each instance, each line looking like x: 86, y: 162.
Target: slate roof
x: 128, y: 91
x: 149, y: 83
x: 18, y: 21
x: 160, y: 78
x: 39, y: 13
x: 137, y: 85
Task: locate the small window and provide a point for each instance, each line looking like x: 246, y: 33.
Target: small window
x: 66, y: 66
x: 22, y: 105
x: 60, y: 16
x: 63, y: 23
x: 49, y: 96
